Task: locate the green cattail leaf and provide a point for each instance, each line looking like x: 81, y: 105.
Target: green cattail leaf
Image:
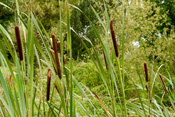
x: 6, y: 92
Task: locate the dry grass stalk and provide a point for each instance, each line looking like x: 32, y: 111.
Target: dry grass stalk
x: 101, y: 103
x: 114, y: 39
x: 18, y: 38
x: 56, y: 56
x: 48, y: 84
x: 64, y: 61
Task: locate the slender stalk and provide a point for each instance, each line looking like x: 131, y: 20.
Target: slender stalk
x: 122, y: 87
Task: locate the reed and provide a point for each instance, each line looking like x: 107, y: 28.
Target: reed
x: 18, y: 38
x: 56, y: 56
x: 147, y: 88
x: 48, y: 84
x: 64, y: 61
x: 53, y: 60
x: 146, y: 72
x: 114, y: 39
x: 163, y: 84
x: 105, y: 60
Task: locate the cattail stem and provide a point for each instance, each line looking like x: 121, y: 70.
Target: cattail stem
x: 114, y: 39
x: 56, y: 56
x: 48, y: 84
x: 64, y: 61
x: 18, y: 38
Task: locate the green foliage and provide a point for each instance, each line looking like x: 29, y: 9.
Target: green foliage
x: 168, y: 7
x: 82, y: 26
x: 6, y: 15
x: 88, y: 88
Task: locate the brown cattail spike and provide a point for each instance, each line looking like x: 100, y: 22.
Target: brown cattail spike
x: 48, y: 84
x: 56, y: 56
x: 114, y: 39
x: 18, y: 38
x: 146, y: 71
x: 163, y: 84
x: 60, y: 52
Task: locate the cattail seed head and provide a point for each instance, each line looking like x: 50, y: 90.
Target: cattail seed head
x: 48, y: 84
x: 163, y: 84
x: 114, y: 39
x: 59, y: 47
x: 18, y: 38
x: 146, y: 71
x: 56, y: 56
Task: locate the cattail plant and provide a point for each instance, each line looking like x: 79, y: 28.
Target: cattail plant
x: 146, y: 71
x: 147, y: 88
x: 53, y: 60
x: 64, y: 61
x: 56, y: 56
x: 56, y: 86
x: 114, y: 39
x: 18, y: 38
x: 105, y: 60
x: 163, y: 84
x: 10, y: 80
x: 48, y: 84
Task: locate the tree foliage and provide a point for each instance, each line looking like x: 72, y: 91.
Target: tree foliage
x: 6, y: 15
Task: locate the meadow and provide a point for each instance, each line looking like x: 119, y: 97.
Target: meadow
x: 123, y: 67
